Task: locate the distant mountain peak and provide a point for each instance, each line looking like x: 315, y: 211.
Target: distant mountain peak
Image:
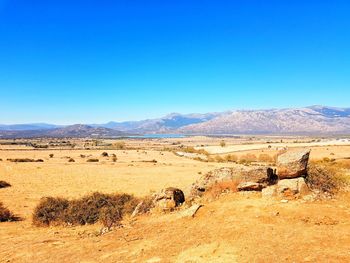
x: 315, y: 119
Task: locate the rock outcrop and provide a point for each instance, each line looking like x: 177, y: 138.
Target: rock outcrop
x: 169, y: 198
x: 251, y: 179
x: 292, y: 164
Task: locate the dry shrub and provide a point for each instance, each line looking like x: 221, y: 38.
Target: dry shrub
x: 6, y: 215
x: 147, y: 204
x: 4, y: 184
x: 51, y: 155
x: 265, y: 158
x: 120, y: 145
x: 344, y: 164
x: 222, y: 143
x: 92, y: 160
x: 190, y: 149
x: 82, y: 156
x: 231, y: 158
x: 248, y: 158
x: 49, y: 210
x: 219, y: 159
x: 324, y: 178
x: 106, y: 208
x: 71, y: 160
x: 114, y: 159
x: 104, y: 154
x: 24, y: 160
x: 221, y: 187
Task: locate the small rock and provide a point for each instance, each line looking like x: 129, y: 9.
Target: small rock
x: 296, y: 186
x: 190, y: 212
x: 284, y: 201
x: 269, y: 191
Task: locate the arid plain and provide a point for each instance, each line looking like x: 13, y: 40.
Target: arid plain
x: 236, y: 227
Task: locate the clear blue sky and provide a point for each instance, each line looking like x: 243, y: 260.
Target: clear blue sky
x: 95, y: 61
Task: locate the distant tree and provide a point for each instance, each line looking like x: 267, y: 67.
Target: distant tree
x: 222, y: 143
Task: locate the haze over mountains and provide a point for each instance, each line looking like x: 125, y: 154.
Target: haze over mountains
x: 308, y: 120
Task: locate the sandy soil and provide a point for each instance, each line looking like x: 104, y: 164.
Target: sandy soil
x: 234, y: 228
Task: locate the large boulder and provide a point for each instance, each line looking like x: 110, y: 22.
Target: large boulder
x: 291, y: 187
x: 292, y: 164
x: 169, y: 198
x: 261, y: 176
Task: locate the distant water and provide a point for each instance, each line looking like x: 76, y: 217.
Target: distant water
x: 157, y: 136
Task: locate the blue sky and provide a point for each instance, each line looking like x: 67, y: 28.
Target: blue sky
x: 95, y: 61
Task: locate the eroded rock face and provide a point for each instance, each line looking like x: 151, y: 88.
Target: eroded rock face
x: 253, y: 175
x: 292, y: 164
x: 211, y: 178
x: 169, y: 198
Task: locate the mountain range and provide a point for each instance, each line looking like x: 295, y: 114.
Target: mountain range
x: 307, y: 120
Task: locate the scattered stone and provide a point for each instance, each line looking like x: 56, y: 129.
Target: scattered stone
x: 250, y: 186
x: 269, y: 191
x: 296, y: 186
x: 190, y: 212
x: 137, y: 209
x: 292, y: 164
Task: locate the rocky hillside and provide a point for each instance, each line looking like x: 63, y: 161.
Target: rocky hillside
x: 293, y: 121
x: 168, y: 123
x: 76, y: 131
x: 310, y: 120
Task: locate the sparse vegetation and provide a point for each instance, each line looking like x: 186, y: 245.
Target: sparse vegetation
x: 120, y: 145
x: 265, y: 158
x: 92, y: 160
x: 104, y: 154
x: 222, y: 187
x: 51, y: 155
x: 247, y: 158
x: 71, y: 160
x: 109, y: 209
x: 191, y: 149
x: 231, y: 158
x: 222, y: 143
x: 50, y: 211
x: 324, y: 178
x: 24, y: 160
x: 6, y: 215
x: 4, y: 184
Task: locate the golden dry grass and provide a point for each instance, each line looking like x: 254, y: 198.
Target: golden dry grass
x: 235, y: 227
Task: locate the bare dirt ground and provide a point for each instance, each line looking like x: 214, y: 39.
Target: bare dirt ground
x: 234, y: 228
